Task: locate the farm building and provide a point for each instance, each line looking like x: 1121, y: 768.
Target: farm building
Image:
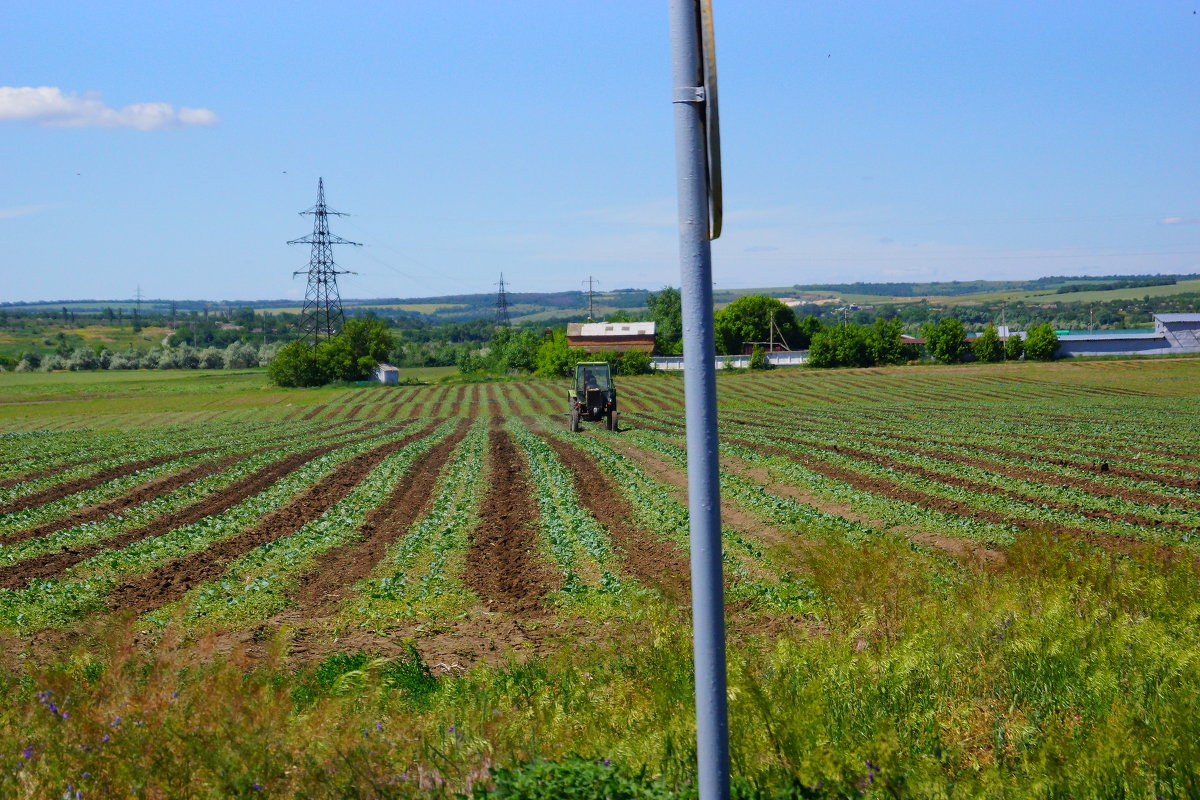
x: 1173, y: 334
x: 386, y: 373
x: 618, y: 336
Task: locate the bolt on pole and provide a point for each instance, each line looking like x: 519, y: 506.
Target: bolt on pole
x: 700, y: 399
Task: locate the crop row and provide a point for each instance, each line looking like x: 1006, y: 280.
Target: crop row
x: 84, y: 586
x: 578, y: 544
x: 89, y: 533
x: 751, y: 574
x: 257, y: 584
x: 421, y: 576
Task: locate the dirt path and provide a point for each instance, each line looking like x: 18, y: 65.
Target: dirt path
x: 320, y: 590
x: 172, y: 580
x: 652, y: 561
x: 503, y: 567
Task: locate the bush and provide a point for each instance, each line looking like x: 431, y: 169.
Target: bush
x: 211, y: 358
x: 1014, y: 347
x: 151, y: 358
x: 884, y: 345
x: 240, y: 355
x: 987, y: 346
x: 1041, y: 342
x: 758, y: 359
x: 266, y: 354
x: 946, y: 340
x: 841, y: 346
x: 555, y: 359
x: 635, y: 362
x: 129, y: 360
x: 296, y: 364
x: 83, y: 358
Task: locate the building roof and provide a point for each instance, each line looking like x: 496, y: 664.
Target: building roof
x: 387, y: 368
x: 1177, y: 317
x: 600, y: 329
x: 1107, y: 337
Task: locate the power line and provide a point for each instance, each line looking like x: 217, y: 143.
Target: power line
x: 322, y: 314
x: 590, y: 280
x: 502, y: 320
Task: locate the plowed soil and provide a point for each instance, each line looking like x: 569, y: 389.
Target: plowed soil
x: 171, y: 581
x: 321, y: 589
x: 652, y: 561
x: 92, y: 481
x: 48, y: 565
x: 503, y: 568
x: 140, y: 494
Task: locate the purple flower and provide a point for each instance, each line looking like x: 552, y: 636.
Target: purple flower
x: 27, y: 753
x: 256, y: 786
x: 379, y: 726
x: 105, y: 739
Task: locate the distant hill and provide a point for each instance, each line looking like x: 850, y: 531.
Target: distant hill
x: 548, y: 307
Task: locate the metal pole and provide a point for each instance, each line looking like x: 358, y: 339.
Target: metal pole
x: 700, y: 396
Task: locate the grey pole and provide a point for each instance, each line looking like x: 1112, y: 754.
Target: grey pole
x: 700, y: 403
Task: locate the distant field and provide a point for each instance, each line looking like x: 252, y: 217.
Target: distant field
x: 1134, y: 293
x: 112, y: 337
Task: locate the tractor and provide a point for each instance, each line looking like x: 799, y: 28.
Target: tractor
x: 593, y: 397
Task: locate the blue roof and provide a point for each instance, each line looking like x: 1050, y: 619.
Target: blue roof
x: 1177, y: 317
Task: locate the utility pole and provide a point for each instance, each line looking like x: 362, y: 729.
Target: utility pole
x: 172, y: 316
x: 698, y: 171
x: 322, y: 315
x: 502, y: 320
x: 590, y: 280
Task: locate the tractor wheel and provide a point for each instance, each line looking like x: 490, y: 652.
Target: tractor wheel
x: 574, y: 420
x: 610, y: 421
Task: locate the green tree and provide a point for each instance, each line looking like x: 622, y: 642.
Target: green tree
x: 666, y: 309
x: 1041, y: 342
x: 748, y: 319
x: 840, y: 346
x: 620, y: 315
x: 884, y: 343
x: 634, y: 362
x: 296, y: 364
x: 945, y: 340
x: 808, y: 327
x: 555, y: 359
x: 987, y: 346
x: 363, y: 344
x: 1014, y: 347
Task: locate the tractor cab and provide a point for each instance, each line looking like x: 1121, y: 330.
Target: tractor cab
x: 593, y: 397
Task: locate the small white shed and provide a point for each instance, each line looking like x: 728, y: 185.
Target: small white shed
x: 386, y: 373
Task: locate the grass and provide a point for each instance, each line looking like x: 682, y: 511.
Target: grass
x: 1072, y: 673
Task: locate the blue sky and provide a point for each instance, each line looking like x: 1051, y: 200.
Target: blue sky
x: 862, y: 141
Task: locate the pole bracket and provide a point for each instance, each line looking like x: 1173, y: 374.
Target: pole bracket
x: 688, y: 94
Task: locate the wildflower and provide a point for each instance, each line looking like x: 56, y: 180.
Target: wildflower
x: 104, y: 739
x: 256, y: 786
x: 379, y: 726
x: 27, y: 753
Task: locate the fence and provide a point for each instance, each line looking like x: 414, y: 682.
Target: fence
x: 789, y: 359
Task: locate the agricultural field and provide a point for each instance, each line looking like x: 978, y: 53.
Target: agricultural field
x: 970, y: 581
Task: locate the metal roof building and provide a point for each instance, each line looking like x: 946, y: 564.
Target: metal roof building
x: 1173, y: 334
x: 618, y: 336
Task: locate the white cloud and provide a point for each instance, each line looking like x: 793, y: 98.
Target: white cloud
x: 49, y: 106
x: 1178, y: 221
